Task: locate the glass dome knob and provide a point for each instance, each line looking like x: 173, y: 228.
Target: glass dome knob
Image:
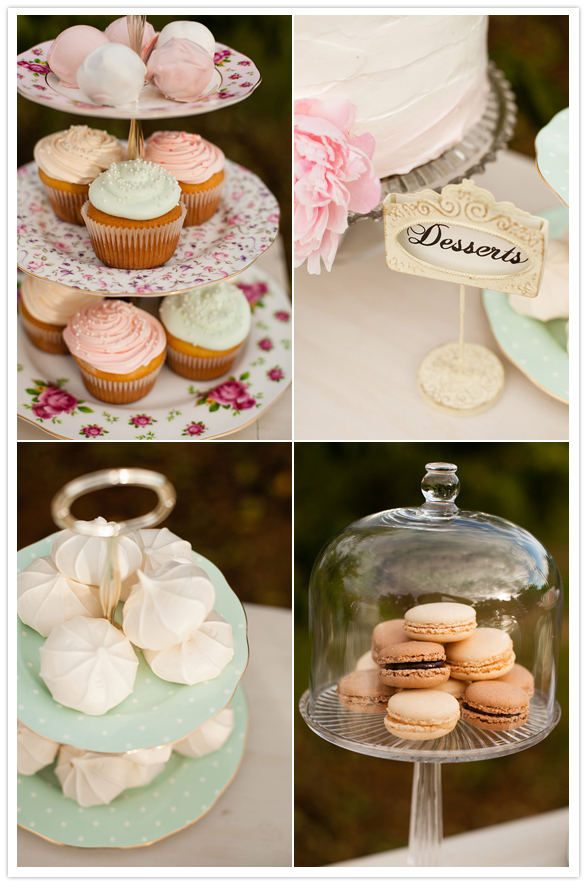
x: 440, y: 487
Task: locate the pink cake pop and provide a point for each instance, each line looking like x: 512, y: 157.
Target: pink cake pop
x: 181, y: 70
x: 117, y: 32
x: 69, y: 50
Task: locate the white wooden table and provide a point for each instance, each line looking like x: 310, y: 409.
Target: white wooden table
x: 275, y: 423
x: 362, y: 330
x: 250, y: 825
x: 537, y: 841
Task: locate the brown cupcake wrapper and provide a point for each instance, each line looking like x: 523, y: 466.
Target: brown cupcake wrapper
x: 200, y: 368
x: 133, y: 248
x: 66, y: 205
x: 119, y: 391
x: 201, y: 205
x: 49, y: 340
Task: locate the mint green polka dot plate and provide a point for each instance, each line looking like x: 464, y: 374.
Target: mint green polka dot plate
x: 156, y: 713
x: 552, y: 155
x: 183, y: 793
x: 538, y: 349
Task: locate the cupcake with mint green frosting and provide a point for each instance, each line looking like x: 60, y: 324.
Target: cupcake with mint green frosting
x: 206, y: 329
x: 134, y: 215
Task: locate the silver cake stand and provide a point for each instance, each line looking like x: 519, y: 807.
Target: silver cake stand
x: 366, y: 734
x: 480, y: 145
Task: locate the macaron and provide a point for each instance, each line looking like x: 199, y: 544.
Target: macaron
x: 363, y: 692
x: 487, y: 655
x: 520, y: 676
x: 495, y: 706
x: 387, y: 633
x: 413, y: 665
x: 440, y: 622
x: 366, y: 663
x: 456, y: 688
x: 421, y: 714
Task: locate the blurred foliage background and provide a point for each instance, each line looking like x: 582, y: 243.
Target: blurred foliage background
x: 233, y: 502
x: 347, y: 804
x: 533, y: 53
x: 255, y: 133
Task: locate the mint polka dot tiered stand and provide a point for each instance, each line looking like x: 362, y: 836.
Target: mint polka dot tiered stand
x: 241, y: 230
x: 157, y: 713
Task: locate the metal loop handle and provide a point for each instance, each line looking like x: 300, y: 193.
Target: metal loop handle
x: 64, y: 499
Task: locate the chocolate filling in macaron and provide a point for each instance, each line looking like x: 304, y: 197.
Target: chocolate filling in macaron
x: 495, y: 706
x: 413, y: 665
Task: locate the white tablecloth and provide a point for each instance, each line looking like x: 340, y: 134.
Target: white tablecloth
x: 362, y: 330
x: 273, y: 424
x: 538, y: 841
x: 250, y: 825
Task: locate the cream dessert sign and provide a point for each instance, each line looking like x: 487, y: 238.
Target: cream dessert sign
x: 463, y: 236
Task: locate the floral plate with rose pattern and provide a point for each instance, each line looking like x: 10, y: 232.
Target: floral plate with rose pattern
x: 237, y: 78
x: 51, y: 392
x: 243, y: 227
x: 185, y: 791
x: 157, y: 712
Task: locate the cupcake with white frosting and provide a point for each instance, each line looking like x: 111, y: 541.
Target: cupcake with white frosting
x: 46, y: 309
x: 206, y: 329
x: 119, y: 349
x: 197, y: 164
x: 68, y: 162
x: 134, y: 215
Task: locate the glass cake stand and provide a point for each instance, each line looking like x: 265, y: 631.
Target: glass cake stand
x: 381, y: 566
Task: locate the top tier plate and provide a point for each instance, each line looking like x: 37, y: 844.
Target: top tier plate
x: 236, y: 79
x: 552, y: 155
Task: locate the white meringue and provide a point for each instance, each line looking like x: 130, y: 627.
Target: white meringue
x: 83, y: 557
x: 193, y: 31
x: 46, y: 597
x: 157, y: 546
x: 207, y: 738
x: 167, y: 605
x: 33, y: 751
x: 140, y: 775
x: 88, y: 665
x: 148, y: 756
x: 112, y: 75
x: 552, y: 300
x: 89, y: 778
x: 201, y: 657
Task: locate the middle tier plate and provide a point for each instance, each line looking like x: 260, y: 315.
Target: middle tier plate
x: 157, y: 713
x: 244, y: 226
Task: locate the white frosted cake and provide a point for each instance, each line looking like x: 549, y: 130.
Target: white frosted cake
x: 418, y: 82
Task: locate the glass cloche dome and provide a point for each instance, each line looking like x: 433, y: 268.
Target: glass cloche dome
x: 383, y: 565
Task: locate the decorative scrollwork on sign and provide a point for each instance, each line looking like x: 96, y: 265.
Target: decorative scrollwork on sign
x: 463, y: 235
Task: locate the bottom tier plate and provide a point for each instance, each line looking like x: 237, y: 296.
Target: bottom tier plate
x: 51, y: 392
x: 180, y: 796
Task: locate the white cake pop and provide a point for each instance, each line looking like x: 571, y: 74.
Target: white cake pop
x: 193, y: 31
x: 207, y: 738
x: 83, y: 557
x: 47, y: 598
x: 88, y: 665
x: 89, y: 778
x: 33, y: 752
x: 201, y: 657
x: 167, y: 605
x: 112, y: 75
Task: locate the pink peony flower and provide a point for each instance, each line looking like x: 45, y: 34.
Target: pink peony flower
x: 54, y: 401
x: 333, y: 174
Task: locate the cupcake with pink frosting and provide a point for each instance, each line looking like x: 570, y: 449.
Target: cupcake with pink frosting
x: 46, y: 308
x: 119, y: 349
x: 198, y: 166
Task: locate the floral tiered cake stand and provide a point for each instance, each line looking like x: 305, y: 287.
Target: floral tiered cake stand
x: 157, y: 713
x: 242, y: 229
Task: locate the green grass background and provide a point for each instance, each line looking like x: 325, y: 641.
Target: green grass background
x: 347, y: 804
x: 233, y: 502
x: 255, y: 133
